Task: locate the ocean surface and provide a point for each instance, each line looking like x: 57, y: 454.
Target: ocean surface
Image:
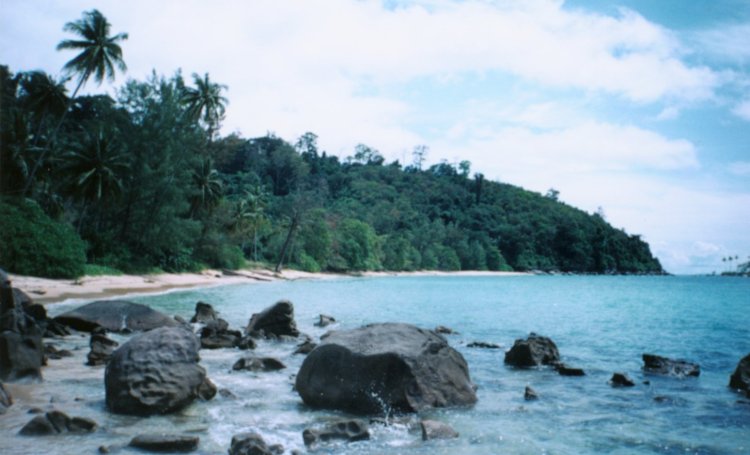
x: 601, y: 324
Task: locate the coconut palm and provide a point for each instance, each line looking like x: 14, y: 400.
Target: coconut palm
x: 208, y: 187
x: 43, y: 96
x: 205, y: 102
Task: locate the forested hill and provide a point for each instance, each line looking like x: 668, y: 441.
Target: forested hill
x: 146, y: 182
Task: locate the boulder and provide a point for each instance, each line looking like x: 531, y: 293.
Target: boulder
x: 115, y: 316
x: 740, y: 379
x: 325, y: 320
x: 165, y: 442
x: 432, y: 429
x: 216, y: 335
x: 348, y: 430
x: 155, y: 372
x: 56, y: 422
x: 273, y: 322
x: 661, y: 365
x: 21, y: 347
x: 258, y: 364
x: 533, y: 351
x: 530, y: 394
x: 381, y: 368
x: 621, y: 380
x: 204, y: 312
x: 250, y: 444
x: 101, y: 348
x: 483, y: 345
x: 5, y: 399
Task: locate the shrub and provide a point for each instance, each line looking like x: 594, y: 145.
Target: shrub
x: 31, y: 243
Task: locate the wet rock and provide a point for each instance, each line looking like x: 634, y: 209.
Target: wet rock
x: 246, y: 343
x: 621, y: 380
x: 662, y: 365
x: 6, y: 400
x: 249, y: 444
x: 258, y: 364
x: 273, y: 322
x: 380, y: 368
x: 216, y: 335
x: 324, y: 320
x: 432, y: 429
x: 530, y: 394
x: 101, y: 348
x: 305, y: 347
x: 155, y: 372
x: 21, y: 347
x: 740, y: 379
x: 165, y: 442
x: 565, y: 370
x: 441, y: 329
x: 115, y: 316
x: 56, y: 422
x: 348, y: 430
x: 51, y: 352
x: 483, y: 345
x: 226, y: 393
x: 533, y: 351
x: 207, y: 390
x: 204, y: 312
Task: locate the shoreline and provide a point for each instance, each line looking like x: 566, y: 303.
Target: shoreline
x: 50, y: 291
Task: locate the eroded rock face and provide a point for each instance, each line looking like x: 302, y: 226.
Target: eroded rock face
x: 432, y: 429
x: 381, y: 368
x: 115, y: 316
x: 740, y: 379
x: 251, y: 444
x: 669, y: 367
x: 274, y: 322
x: 533, y: 351
x: 155, y: 372
x: 346, y: 430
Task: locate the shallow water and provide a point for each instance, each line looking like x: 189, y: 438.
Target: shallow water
x: 601, y: 324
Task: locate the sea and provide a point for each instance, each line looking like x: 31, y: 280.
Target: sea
x: 602, y: 324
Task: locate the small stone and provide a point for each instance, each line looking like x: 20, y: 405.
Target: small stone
x: 432, y: 429
x: 325, y: 320
x: 305, y: 348
x: 483, y: 345
x: 444, y: 330
x: 347, y: 430
x: 621, y: 380
x: 165, y: 442
x: 565, y: 370
x: 258, y: 364
x: 530, y: 394
x: 249, y: 444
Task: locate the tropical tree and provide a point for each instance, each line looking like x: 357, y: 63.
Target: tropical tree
x: 205, y: 102
x: 207, y: 186
x: 249, y: 213
x: 43, y: 96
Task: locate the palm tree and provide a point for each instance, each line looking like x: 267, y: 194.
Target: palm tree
x: 249, y: 213
x: 100, y: 55
x: 43, y: 96
x: 205, y: 102
x: 208, y: 186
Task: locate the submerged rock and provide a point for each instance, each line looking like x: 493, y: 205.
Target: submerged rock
x: 274, y: 322
x: 56, y: 422
x: 533, y: 351
x: 155, y: 372
x: 565, y: 370
x: 740, y: 379
x: 115, y: 316
x: 432, y: 429
x: 252, y: 444
x: 381, y: 368
x: 325, y: 320
x: 165, y: 442
x: 443, y: 330
x: 662, y: 365
x: 348, y: 430
x: 621, y: 380
x: 530, y: 394
x: 258, y: 364
x: 483, y: 345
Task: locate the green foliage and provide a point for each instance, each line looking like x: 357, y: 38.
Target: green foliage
x: 34, y: 244
x: 355, y: 246
x: 99, y: 270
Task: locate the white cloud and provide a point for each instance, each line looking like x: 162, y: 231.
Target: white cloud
x: 727, y: 42
x: 740, y: 168
x: 742, y: 110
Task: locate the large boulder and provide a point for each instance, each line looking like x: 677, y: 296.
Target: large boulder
x: 533, y: 351
x: 21, y: 347
x: 740, y: 380
x: 115, y: 316
x: 669, y: 367
x: 380, y: 368
x: 156, y: 372
x: 274, y: 322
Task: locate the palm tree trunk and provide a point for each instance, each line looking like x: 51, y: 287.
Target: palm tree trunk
x: 292, y: 227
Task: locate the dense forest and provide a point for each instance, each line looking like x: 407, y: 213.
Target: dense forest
x: 145, y: 181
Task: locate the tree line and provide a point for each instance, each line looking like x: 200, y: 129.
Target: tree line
x: 144, y: 181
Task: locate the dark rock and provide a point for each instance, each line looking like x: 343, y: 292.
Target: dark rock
x: 207, y: 390
x: 56, y: 422
x: 204, y: 312
x: 216, y: 335
x: 25, y: 301
x: 483, y: 345
x: 530, y: 394
x: 661, y: 365
x: 6, y: 400
x: 380, y: 368
x: 274, y: 321
x: 348, y: 430
x: 51, y: 352
x: 324, y: 320
x: 165, y: 442
x: 621, y: 380
x: 101, y: 349
x: 21, y: 347
x: 155, y: 372
x: 258, y: 364
x: 246, y: 343
x: 249, y: 444
x: 566, y: 370
x: 115, y: 316
x: 740, y: 379
x: 35, y: 411
x: 444, y: 330
x: 533, y: 351
x: 432, y: 429
x: 305, y: 347
x: 226, y: 393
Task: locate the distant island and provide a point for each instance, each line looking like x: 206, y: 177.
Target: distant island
x: 144, y: 182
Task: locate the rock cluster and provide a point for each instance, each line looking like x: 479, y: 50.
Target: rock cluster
x: 669, y: 367
x: 56, y: 422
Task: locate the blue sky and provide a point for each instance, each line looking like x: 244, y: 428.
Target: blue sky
x: 639, y: 107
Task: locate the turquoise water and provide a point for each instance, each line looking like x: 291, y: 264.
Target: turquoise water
x: 601, y: 324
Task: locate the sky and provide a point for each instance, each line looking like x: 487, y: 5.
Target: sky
x: 639, y: 108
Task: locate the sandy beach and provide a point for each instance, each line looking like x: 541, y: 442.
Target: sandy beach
x: 48, y: 291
